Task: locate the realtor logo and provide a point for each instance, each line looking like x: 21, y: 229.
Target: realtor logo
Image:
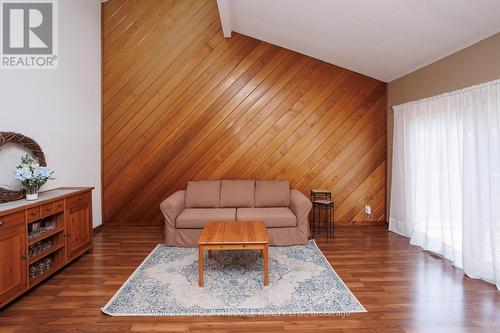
x: 29, y: 39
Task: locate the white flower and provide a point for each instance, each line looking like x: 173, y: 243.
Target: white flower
x: 42, y: 172
x: 31, y: 174
x: 23, y: 174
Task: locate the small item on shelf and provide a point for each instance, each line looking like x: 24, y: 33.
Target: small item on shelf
x: 38, y: 228
x: 35, y: 229
x: 40, y: 267
x: 39, y: 247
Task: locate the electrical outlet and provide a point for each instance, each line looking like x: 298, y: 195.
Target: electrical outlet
x: 368, y: 209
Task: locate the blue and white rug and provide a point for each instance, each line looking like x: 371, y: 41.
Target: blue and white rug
x: 301, y: 281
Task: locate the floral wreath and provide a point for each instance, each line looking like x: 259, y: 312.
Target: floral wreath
x: 31, y: 145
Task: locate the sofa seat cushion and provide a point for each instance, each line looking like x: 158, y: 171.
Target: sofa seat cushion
x: 196, y: 218
x: 275, y: 217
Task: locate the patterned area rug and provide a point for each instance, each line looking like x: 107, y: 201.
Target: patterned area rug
x: 301, y: 281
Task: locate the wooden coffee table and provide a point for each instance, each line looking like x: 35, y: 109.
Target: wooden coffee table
x: 234, y: 235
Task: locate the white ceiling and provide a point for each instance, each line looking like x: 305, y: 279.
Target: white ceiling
x: 384, y: 39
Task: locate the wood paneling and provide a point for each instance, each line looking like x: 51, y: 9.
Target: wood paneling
x: 404, y: 289
x: 180, y: 103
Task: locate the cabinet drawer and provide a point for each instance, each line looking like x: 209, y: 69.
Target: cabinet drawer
x: 46, y: 210
x: 12, y: 219
x: 33, y: 214
x: 77, y: 200
x: 58, y: 206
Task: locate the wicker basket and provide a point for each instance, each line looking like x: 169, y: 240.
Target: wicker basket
x: 9, y: 195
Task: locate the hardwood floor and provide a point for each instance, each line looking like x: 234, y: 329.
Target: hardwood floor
x: 403, y: 288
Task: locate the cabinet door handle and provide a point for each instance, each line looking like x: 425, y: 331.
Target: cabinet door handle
x: 68, y: 234
x: 23, y: 257
x: 33, y: 213
x: 2, y: 223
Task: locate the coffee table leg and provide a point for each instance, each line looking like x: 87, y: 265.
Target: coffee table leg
x: 266, y: 265
x: 200, y: 265
x: 210, y: 254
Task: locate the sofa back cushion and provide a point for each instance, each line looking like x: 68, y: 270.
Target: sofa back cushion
x: 203, y: 194
x: 237, y: 193
x: 272, y: 193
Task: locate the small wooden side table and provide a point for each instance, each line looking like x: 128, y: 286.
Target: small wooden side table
x: 328, y: 209
x: 234, y: 235
x: 322, y: 201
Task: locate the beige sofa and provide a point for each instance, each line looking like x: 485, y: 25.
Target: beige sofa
x: 284, y: 211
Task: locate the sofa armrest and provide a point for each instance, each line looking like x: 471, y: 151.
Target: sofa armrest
x: 300, y: 206
x: 172, y: 206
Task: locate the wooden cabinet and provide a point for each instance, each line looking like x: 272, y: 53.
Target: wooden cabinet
x: 13, y: 258
x: 78, y: 229
x: 37, y: 238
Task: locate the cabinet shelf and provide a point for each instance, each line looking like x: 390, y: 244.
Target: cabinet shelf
x: 46, y: 274
x: 45, y: 235
x: 45, y: 253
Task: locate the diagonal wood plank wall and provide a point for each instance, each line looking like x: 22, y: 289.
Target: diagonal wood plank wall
x: 180, y: 102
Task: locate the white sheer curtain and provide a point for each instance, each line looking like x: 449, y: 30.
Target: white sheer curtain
x: 445, y: 191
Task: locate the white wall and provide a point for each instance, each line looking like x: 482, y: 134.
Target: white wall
x: 61, y: 109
